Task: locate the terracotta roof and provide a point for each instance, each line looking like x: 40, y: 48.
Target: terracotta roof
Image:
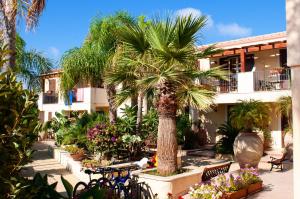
x: 52, y: 72
x: 249, y: 41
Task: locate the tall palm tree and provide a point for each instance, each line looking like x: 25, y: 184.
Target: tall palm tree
x: 30, y: 65
x: 127, y: 74
x: 170, y: 69
x: 9, y: 9
x: 90, y: 62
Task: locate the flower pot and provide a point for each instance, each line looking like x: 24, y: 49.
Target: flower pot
x: 237, y: 194
x: 253, y: 188
x: 248, y: 149
x: 77, y: 156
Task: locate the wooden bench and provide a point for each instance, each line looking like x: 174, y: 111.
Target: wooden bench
x: 278, y: 162
x: 210, y: 172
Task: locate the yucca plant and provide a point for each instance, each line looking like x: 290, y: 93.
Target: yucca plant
x: 250, y: 114
x: 164, y: 52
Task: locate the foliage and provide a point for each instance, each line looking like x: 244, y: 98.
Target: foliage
x: 36, y: 188
x: 249, y: 114
x: 250, y: 176
x: 205, y: 191
x: 19, y: 126
x: 74, y: 149
x: 30, y: 65
x: 183, y: 126
x: 127, y: 123
x: 90, y: 163
x: 104, y: 139
x: 225, y: 184
x: 163, y: 50
x: 284, y: 106
x: 132, y: 143
x: 228, y: 133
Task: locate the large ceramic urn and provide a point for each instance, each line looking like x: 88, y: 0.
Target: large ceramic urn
x: 248, y: 149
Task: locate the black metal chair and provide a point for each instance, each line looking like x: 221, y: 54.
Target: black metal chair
x: 277, y: 162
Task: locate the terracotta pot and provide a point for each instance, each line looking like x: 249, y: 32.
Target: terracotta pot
x: 288, y: 145
x: 77, y: 156
x: 248, y: 149
x: 253, y: 188
x: 237, y: 194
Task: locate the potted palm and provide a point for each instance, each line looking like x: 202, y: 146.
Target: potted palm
x: 247, y: 116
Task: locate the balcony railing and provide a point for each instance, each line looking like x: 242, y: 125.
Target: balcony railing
x: 269, y: 80
x: 50, y: 98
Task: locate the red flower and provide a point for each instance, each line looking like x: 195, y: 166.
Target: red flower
x: 169, y: 194
x: 180, y: 197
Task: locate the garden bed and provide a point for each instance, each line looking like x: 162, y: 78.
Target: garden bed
x: 177, y: 184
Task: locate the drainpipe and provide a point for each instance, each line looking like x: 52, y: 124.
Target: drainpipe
x: 293, y: 59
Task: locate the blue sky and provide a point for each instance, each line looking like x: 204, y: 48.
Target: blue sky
x: 64, y: 23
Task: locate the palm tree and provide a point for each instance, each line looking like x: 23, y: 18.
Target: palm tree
x: 90, y: 62
x: 284, y: 106
x: 168, y: 66
x: 127, y: 74
x: 9, y: 9
x: 30, y: 65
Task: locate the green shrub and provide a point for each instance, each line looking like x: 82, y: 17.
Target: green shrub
x: 19, y: 126
x: 250, y: 114
x: 228, y: 133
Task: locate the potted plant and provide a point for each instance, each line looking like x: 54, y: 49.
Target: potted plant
x: 205, y: 191
x: 247, y: 116
x: 76, y: 153
x: 251, y: 178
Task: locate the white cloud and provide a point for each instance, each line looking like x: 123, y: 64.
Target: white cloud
x: 195, y: 13
x: 54, y: 51
x: 234, y: 30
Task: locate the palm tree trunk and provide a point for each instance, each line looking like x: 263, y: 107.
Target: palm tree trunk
x: 139, y: 113
x: 166, y: 140
x: 111, y: 93
x: 9, y: 33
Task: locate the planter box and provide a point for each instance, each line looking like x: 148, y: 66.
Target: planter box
x: 253, y: 188
x: 77, y: 156
x: 237, y: 194
x: 177, y: 185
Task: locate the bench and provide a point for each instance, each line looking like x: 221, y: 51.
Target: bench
x: 278, y: 162
x: 210, y: 172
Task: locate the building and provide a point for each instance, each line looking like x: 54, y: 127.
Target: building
x: 83, y: 98
x: 257, y: 69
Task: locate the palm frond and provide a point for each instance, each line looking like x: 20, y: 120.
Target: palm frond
x: 196, y: 97
x: 34, y: 10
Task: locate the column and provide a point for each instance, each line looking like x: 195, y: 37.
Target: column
x: 243, y: 60
x: 293, y: 49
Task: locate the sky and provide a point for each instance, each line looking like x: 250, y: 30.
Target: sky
x: 64, y: 23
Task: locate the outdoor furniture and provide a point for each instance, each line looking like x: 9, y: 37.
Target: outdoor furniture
x: 277, y: 162
x: 210, y: 172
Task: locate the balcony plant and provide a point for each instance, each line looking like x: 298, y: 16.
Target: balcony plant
x: 76, y: 153
x: 248, y: 146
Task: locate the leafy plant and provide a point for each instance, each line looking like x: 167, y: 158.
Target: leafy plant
x: 228, y: 133
x: 19, y: 126
x: 205, y: 191
x: 74, y: 150
x: 183, y: 125
x: 127, y: 123
x: 250, y: 114
x: 132, y: 143
x: 284, y: 106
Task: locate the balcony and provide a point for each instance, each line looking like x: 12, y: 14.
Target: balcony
x: 248, y: 82
x: 50, y: 98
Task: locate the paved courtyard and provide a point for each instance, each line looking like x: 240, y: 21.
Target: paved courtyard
x: 277, y: 184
